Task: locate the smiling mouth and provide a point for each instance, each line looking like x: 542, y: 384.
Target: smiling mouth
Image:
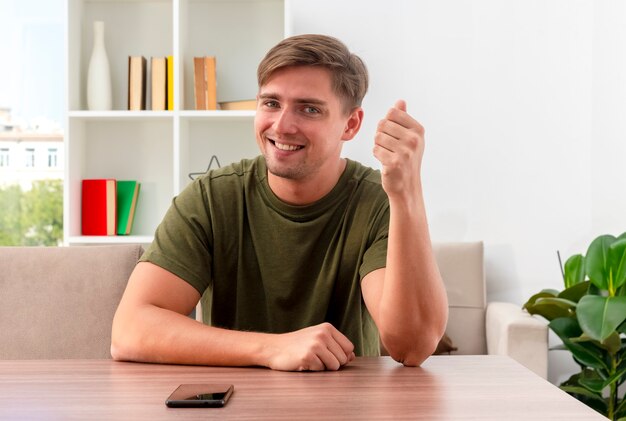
x: 285, y: 146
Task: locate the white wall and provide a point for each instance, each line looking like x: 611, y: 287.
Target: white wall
x: 524, y: 104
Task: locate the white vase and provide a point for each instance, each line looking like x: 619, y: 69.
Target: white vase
x: 99, y: 74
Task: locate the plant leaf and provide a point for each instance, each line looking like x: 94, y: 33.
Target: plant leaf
x: 613, y: 343
x: 549, y: 310
x: 575, y: 292
x: 574, y: 270
x: 600, y: 316
x: 596, y: 261
x: 561, y: 302
x: 589, y: 398
x: 592, y: 384
x: 567, y: 328
x: 596, y: 384
x: 582, y: 391
x: 541, y: 294
x: 617, y: 262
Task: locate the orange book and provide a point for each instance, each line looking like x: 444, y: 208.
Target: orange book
x: 211, y: 83
x: 99, y: 207
x: 199, y: 83
x: 205, y: 85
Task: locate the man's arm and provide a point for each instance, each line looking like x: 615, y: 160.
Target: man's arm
x: 150, y: 325
x: 407, y: 299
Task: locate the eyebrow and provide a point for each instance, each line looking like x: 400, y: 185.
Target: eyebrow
x: 312, y: 101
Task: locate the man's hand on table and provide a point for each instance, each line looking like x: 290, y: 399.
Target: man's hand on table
x: 315, y: 348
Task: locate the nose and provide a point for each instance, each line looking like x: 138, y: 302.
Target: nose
x: 285, y: 122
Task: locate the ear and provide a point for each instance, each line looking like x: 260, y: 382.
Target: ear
x: 353, y: 124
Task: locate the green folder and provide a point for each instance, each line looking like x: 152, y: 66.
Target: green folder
x: 127, y: 194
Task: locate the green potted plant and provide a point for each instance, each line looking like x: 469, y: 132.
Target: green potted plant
x: 589, y: 317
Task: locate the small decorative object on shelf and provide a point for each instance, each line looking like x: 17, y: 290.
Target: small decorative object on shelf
x: 248, y: 104
x: 99, y: 73
x: 194, y: 175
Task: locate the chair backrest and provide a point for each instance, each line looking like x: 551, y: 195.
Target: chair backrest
x: 462, y: 268
x: 59, y: 302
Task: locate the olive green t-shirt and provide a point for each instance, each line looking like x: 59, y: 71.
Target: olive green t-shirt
x: 263, y: 265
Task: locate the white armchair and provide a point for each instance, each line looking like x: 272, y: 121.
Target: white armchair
x: 476, y: 327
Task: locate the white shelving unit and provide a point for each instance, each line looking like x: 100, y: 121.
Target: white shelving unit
x: 161, y: 148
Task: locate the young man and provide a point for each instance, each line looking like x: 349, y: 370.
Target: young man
x: 301, y: 257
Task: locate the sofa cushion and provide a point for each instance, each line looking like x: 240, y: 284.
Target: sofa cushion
x: 59, y: 302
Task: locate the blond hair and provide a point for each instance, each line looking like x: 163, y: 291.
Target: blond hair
x: 349, y: 74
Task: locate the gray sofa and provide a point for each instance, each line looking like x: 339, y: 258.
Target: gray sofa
x: 59, y: 303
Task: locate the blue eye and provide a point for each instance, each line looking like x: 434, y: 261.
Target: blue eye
x: 311, y: 110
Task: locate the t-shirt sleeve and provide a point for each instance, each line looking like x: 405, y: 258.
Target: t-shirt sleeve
x: 183, y: 240
x: 375, y: 257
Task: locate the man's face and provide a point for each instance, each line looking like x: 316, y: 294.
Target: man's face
x: 300, y: 124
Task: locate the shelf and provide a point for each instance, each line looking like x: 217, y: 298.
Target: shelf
x: 113, y: 239
x: 161, y: 148
x: 120, y: 115
x: 146, y: 114
x: 217, y: 115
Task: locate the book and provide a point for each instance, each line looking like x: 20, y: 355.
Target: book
x: 98, y: 206
x: 170, y: 82
x: 127, y: 195
x: 205, y: 85
x: 199, y: 83
x: 211, y: 83
x: 248, y: 104
x: 158, y: 70
x: 136, y: 83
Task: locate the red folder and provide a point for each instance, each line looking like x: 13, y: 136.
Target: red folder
x: 99, y: 216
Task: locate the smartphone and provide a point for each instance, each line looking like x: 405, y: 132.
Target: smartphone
x: 200, y: 396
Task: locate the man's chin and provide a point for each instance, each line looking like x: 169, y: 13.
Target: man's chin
x: 288, y: 173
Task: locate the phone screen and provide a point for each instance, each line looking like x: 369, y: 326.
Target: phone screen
x: 200, y: 395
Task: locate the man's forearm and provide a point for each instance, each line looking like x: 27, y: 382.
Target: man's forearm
x: 413, y: 304
x: 153, y: 334
x: 158, y: 335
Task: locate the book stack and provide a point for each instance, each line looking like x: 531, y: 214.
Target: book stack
x: 108, y: 206
x: 205, y: 85
x: 161, y: 83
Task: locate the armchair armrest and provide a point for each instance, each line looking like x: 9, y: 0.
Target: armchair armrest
x: 513, y: 332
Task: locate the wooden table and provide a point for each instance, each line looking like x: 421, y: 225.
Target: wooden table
x: 444, y: 388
